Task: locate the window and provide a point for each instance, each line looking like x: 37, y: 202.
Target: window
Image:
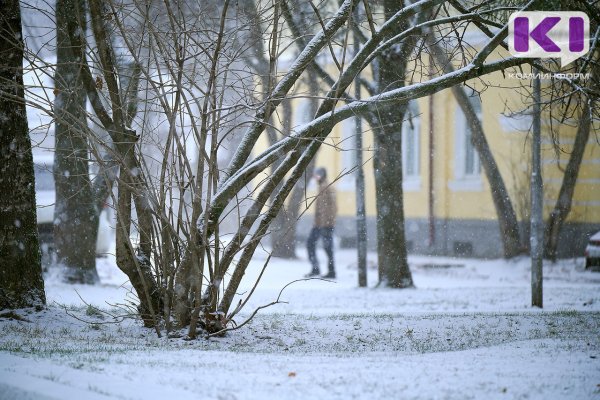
x: 44, y: 179
x: 301, y: 113
x: 347, y: 146
x: 410, y: 147
x: 467, y: 167
x: 472, y: 166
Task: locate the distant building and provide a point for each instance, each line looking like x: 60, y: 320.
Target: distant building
x: 463, y: 222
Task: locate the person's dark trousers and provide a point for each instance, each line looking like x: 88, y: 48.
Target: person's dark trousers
x: 327, y: 235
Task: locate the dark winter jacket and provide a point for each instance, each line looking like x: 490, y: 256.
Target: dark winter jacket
x: 326, y: 207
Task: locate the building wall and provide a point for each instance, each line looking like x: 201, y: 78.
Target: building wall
x: 464, y: 215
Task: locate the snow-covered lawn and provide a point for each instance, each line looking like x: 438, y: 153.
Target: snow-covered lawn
x: 466, y: 331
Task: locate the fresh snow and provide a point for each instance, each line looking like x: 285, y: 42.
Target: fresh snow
x: 466, y: 331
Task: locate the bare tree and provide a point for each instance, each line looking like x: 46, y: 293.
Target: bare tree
x: 507, y: 218
x: 21, y: 283
x: 75, y: 213
x: 390, y: 71
x: 175, y: 190
x: 564, y: 201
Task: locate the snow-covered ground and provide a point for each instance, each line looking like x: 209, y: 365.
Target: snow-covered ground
x: 466, y: 331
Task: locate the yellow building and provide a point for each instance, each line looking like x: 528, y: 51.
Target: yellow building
x: 447, y: 198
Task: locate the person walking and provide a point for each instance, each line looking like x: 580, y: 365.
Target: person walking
x: 325, y: 212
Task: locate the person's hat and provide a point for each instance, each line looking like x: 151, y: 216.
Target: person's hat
x: 321, y: 173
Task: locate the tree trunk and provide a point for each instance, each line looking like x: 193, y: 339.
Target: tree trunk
x: 391, y: 239
x: 21, y: 283
x: 562, y: 208
x: 537, y: 200
x: 565, y: 197
x: 135, y: 266
x: 75, y: 214
x: 361, y: 214
x: 507, y: 218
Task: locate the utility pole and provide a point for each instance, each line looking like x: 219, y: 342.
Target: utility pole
x: 431, y: 155
x: 537, y: 198
x: 361, y: 218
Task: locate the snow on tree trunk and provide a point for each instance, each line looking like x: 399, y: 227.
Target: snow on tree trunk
x: 21, y: 283
x: 75, y: 216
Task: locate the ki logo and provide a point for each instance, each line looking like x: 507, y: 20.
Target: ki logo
x: 549, y: 34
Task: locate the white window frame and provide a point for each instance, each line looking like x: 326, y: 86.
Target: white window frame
x: 463, y: 180
x: 411, y: 182
x: 301, y: 113
x: 347, y: 146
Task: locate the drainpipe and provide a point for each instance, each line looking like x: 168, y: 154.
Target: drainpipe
x: 431, y: 158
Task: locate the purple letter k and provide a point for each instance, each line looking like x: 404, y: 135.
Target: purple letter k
x: 539, y: 34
